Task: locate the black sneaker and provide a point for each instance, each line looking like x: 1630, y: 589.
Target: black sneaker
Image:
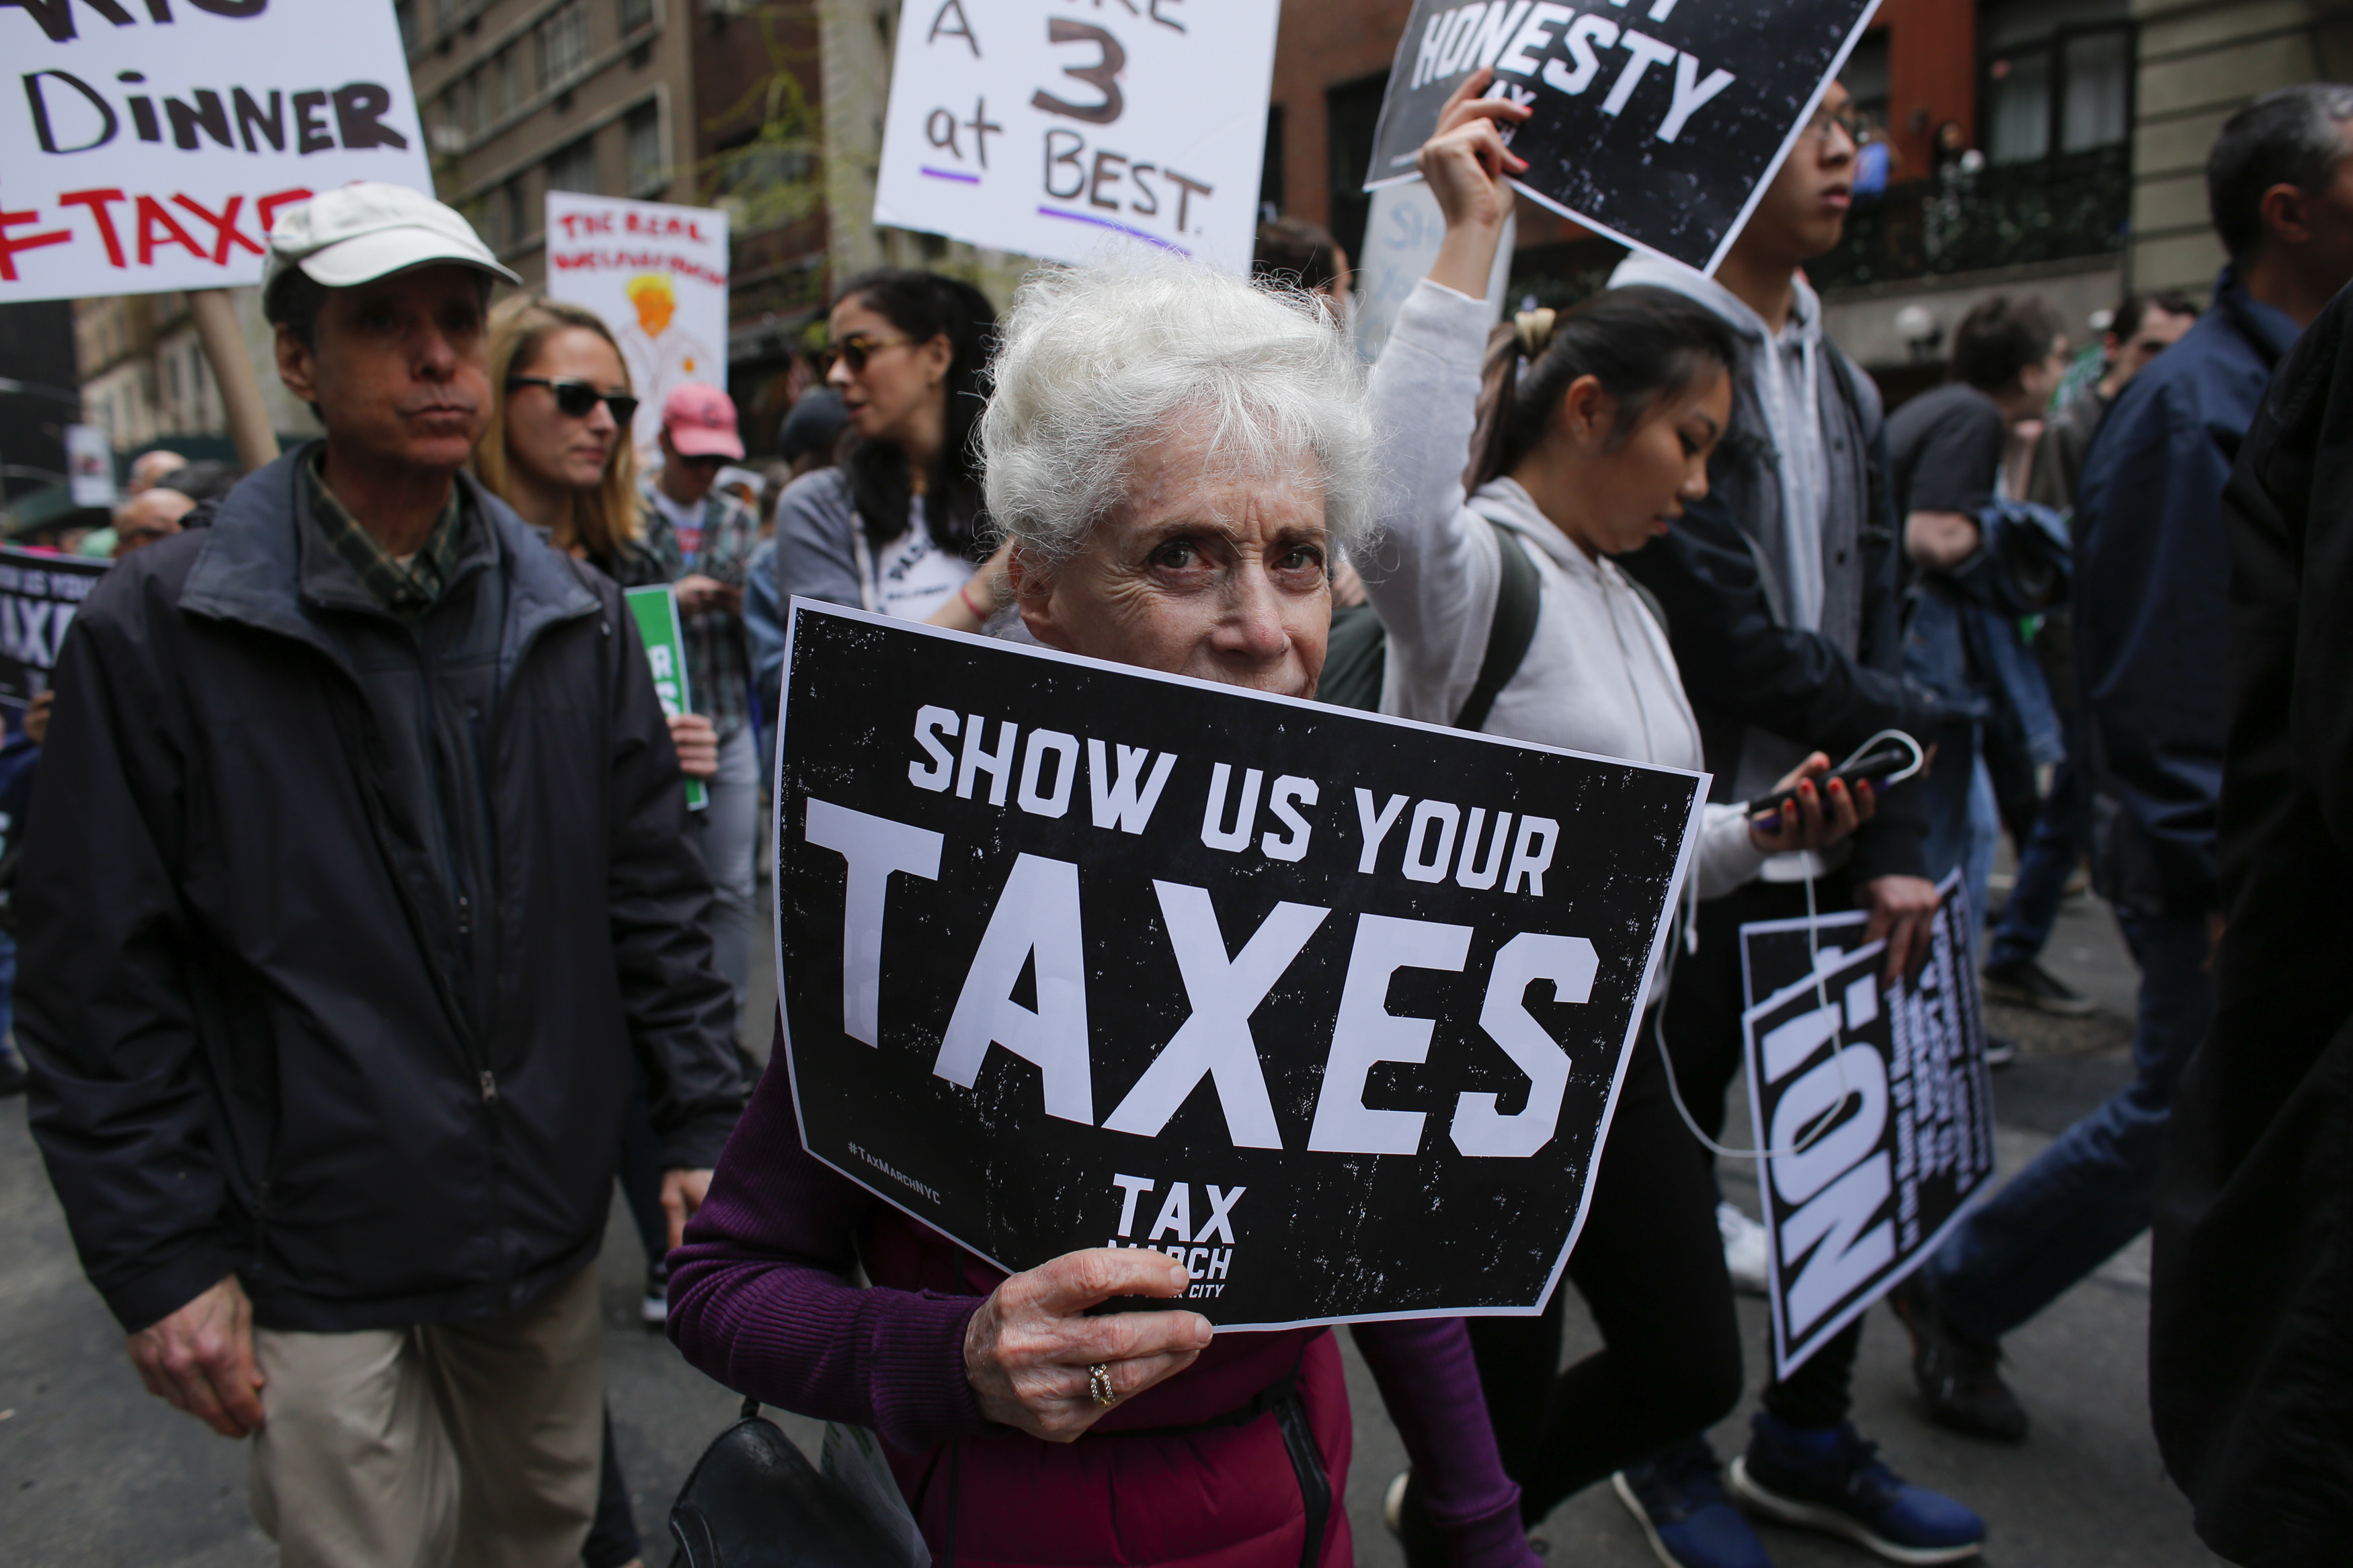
x: 653, y: 1311
x: 1959, y: 1376
x: 2029, y: 984
x: 2000, y: 1051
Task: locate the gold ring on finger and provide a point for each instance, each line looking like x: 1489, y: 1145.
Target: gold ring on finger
x: 1099, y: 1384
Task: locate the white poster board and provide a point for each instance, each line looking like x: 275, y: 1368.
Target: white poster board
x: 1034, y: 127
x: 1401, y: 240
x: 657, y: 275
x: 89, y: 466
x: 150, y: 146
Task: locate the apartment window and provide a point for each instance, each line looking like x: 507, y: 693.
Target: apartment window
x: 2058, y: 78
x: 1864, y: 77
x: 504, y: 83
x: 562, y: 40
x: 642, y: 139
x: 1352, y: 112
x: 445, y: 14
x: 515, y: 212
x: 634, y: 13
x: 404, y: 12
x: 573, y: 168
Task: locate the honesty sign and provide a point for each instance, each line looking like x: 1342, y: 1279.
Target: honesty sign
x: 1331, y: 1007
x: 149, y: 145
x: 657, y: 275
x: 38, y: 596
x: 1058, y: 131
x: 1657, y: 125
x: 1873, y: 1105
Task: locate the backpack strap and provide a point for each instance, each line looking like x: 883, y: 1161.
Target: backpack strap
x: 1519, y: 599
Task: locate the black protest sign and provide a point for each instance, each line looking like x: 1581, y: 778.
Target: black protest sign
x: 1873, y: 1104
x: 1330, y: 1006
x: 38, y: 596
x: 1657, y: 126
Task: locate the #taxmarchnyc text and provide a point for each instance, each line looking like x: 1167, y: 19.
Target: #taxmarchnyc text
x: 1035, y: 925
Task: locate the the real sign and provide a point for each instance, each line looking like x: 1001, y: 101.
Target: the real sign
x: 1873, y: 1104
x: 150, y: 143
x: 38, y: 596
x: 1036, y: 127
x: 1331, y: 1007
x: 1657, y: 125
x: 657, y: 275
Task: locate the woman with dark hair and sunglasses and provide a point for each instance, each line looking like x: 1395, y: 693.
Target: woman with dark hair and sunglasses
x: 1588, y: 431
x: 899, y: 525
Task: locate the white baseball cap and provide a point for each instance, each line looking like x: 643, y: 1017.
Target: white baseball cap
x: 366, y: 230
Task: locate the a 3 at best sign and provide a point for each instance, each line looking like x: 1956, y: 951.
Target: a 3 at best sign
x: 1332, y: 1008
x: 148, y: 144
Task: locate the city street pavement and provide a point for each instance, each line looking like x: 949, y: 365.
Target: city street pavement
x: 94, y: 1473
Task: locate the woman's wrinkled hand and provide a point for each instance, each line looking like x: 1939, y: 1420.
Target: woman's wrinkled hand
x: 697, y: 744
x: 1028, y: 1351
x: 1820, y: 815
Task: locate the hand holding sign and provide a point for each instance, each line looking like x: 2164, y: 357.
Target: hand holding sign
x: 1466, y: 163
x: 1029, y: 1350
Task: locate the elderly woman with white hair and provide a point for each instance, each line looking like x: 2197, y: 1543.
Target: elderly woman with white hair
x: 1175, y: 455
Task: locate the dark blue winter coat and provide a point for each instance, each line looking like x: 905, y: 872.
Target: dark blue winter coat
x: 2152, y: 573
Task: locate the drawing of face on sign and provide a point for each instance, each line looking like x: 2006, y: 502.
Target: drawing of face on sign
x: 1658, y: 126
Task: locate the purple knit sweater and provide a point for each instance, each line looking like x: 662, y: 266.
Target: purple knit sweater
x: 761, y: 1299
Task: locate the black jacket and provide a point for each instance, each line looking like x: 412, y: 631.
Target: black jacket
x: 1744, y: 666
x: 2251, y: 1321
x: 244, y: 990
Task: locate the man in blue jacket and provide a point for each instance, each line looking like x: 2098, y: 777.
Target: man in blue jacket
x: 2152, y: 580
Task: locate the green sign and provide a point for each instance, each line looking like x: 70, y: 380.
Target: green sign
x: 655, y: 609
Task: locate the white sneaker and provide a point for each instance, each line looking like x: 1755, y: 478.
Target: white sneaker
x: 1393, y: 1505
x: 1743, y: 1248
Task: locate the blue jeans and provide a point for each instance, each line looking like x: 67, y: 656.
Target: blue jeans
x: 730, y: 835
x: 2092, y: 1190
x: 2062, y: 833
x: 1963, y: 819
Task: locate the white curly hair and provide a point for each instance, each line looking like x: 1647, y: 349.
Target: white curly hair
x: 1096, y: 361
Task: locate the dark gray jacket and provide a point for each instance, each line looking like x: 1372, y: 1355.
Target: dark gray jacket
x: 267, y: 1035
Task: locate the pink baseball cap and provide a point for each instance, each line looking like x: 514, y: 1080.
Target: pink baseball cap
x: 701, y: 422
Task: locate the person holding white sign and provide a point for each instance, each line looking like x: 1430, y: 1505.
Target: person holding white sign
x: 1175, y: 455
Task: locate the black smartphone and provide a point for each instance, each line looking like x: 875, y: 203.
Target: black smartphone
x: 1873, y: 765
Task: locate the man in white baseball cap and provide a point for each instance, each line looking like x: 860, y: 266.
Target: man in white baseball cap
x: 369, y: 881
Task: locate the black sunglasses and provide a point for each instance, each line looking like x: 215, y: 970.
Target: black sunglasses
x: 856, y: 349
x: 577, y: 399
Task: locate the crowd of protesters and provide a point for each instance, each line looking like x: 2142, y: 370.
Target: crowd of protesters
x: 359, y: 935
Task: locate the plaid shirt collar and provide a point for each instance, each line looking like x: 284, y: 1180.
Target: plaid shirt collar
x: 404, y: 590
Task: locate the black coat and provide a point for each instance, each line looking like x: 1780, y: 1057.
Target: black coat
x: 2251, y: 1325
x: 241, y: 999
x: 1744, y: 666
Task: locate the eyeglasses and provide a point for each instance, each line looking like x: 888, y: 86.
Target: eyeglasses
x: 1818, y: 129
x: 856, y: 349
x: 577, y: 399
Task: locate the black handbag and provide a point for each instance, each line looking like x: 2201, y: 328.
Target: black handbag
x: 753, y: 1501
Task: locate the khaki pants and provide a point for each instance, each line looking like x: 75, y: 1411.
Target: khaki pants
x: 475, y: 1445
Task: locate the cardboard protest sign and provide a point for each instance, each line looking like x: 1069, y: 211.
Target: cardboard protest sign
x: 38, y: 596
x: 1030, y: 127
x: 657, y: 276
x: 150, y: 146
x: 654, y: 609
x: 1332, y: 1008
x: 1873, y: 1104
x: 1657, y: 126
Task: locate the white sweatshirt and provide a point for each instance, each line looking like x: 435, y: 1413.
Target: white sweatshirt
x: 1599, y: 676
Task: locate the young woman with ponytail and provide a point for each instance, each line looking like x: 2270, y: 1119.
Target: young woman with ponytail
x: 1589, y: 430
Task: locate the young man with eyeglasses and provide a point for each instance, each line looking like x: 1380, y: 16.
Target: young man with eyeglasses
x: 703, y: 540
x: 362, y: 882
x: 1781, y: 598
